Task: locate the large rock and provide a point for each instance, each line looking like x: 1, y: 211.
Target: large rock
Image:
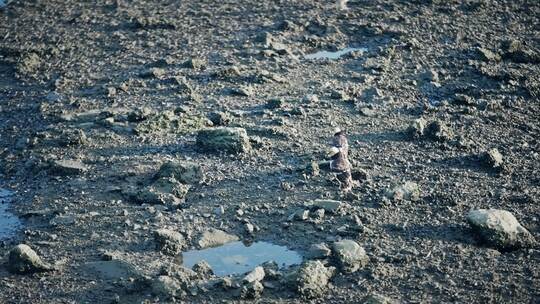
x: 312, y: 279
x: 350, y: 255
x: 493, y: 158
x: 169, y: 241
x: 22, y: 259
x: 223, y: 139
x: 499, y: 228
x: 185, y: 172
x: 215, y: 237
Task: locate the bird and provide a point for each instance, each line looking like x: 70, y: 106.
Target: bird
x: 339, y: 164
x: 340, y: 141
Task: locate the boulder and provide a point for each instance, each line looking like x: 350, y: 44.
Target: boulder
x: 22, y: 260
x: 493, y: 158
x: 215, y: 237
x: 312, y: 278
x: 350, y: 255
x: 224, y: 139
x: 500, y: 229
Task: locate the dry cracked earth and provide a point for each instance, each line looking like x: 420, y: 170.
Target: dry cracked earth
x: 134, y: 131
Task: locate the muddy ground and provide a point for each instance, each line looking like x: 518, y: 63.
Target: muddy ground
x: 87, y: 81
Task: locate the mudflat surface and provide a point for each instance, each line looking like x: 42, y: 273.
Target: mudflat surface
x: 83, y: 85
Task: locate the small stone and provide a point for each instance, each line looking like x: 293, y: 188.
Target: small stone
x: 312, y: 278
x: 318, y: 215
x: 166, y: 191
x: 182, y: 171
x: 243, y: 91
x: 67, y: 167
x: 153, y: 72
x: 219, y: 210
x: 299, y: 215
x: 215, y: 237
x: 311, y: 98
x: 488, y: 55
x: 252, y: 290
x: 249, y: 228
x: 319, y: 251
x: 224, y: 139
x: 203, y: 269
x: 256, y: 275
x: 63, y: 220
x: 493, y: 158
x: 330, y: 206
x: 438, y: 131
x: 195, y: 63
x: 499, y: 228
x: 417, y: 128
x: 350, y: 255
x: 408, y: 191
x: 275, y: 103
x: 378, y: 299
x: 166, y: 286
x: 368, y: 112
x: 169, y: 241
x: 220, y: 118
x: 22, y: 260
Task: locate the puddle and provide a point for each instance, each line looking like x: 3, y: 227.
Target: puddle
x: 333, y: 55
x: 237, y: 258
x: 9, y: 223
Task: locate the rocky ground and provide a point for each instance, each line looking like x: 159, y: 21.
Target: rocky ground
x: 134, y: 130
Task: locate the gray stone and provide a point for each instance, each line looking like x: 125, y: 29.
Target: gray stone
x: 330, y: 206
x: 223, y: 139
x: 252, y: 290
x: 319, y: 251
x: 408, y: 191
x: 169, y: 241
x: 312, y: 279
x: 183, y: 171
x: 63, y: 220
x: 499, y: 228
x: 166, y: 286
x: 112, y: 270
x: 22, y: 260
x: 378, y: 299
x: 256, y: 275
x: 67, y: 167
x: 350, y: 255
x: 202, y: 268
x: 417, y: 128
x: 488, y: 55
x: 438, y: 131
x: 215, y: 237
x: 167, y: 191
x: 493, y: 158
